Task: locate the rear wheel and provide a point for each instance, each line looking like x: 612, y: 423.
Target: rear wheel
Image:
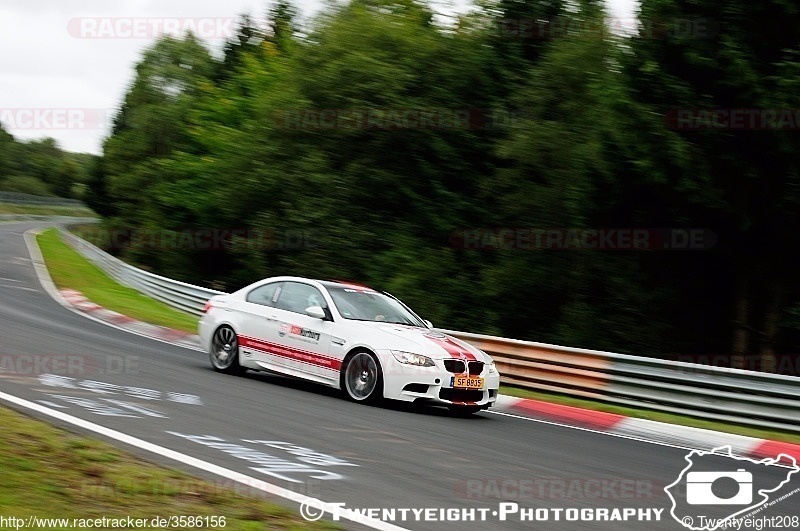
x: 224, y: 353
x: 362, y: 379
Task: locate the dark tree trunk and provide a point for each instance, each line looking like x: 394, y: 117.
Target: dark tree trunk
x: 773, y: 300
x: 741, y: 329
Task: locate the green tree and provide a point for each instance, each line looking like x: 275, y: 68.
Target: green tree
x: 742, y: 184
x: 283, y: 23
x: 96, y: 196
x: 39, y: 167
x: 560, y: 172
x: 151, y: 126
x: 247, y: 41
x: 7, y: 148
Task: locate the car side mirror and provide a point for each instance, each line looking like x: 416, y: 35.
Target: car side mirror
x: 427, y: 323
x: 315, y: 312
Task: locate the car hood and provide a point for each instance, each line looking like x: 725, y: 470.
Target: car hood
x: 428, y: 342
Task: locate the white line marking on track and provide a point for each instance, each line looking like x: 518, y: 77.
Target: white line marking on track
x: 18, y: 287
x: 226, y: 473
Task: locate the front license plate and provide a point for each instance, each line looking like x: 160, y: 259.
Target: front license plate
x: 466, y: 382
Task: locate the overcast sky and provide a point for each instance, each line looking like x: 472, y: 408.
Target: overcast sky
x: 66, y: 65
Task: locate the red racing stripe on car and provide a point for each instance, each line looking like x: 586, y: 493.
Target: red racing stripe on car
x: 454, y: 349
x: 293, y: 353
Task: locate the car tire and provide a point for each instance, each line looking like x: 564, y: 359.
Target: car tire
x: 224, y: 351
x: 362, y: 378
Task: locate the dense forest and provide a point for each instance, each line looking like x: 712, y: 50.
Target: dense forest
x: 522, y: 170
x: 40, y: 167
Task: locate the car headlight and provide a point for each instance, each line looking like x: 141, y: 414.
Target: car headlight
x: 409, y: 358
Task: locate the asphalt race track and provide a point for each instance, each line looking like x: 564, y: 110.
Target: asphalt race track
x: 305, y: 438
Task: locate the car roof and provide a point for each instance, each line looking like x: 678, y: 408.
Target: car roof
x: 327, y: 284
x: 343, y: 284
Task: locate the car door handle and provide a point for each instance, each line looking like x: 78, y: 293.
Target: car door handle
x: 272, y: 318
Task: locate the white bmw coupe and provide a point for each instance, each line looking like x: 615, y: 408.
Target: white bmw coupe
x: 364, y: 342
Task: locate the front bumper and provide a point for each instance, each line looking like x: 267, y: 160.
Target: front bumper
x: 434, y: 384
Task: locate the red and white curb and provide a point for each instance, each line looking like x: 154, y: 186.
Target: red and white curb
x: 79, y: 302
x: 648, y: 430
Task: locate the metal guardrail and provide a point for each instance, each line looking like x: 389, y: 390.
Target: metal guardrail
x: 735, y: 395
x: 717, y: 393
x: 28, y: 199
x: 180, y: 295
x: 17, y: 218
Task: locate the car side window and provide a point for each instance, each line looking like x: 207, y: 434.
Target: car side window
x: 296, y: 297
x: 265, y: 294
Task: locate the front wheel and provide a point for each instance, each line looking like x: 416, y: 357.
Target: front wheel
x: 224, y: 353
x: 362, y: 379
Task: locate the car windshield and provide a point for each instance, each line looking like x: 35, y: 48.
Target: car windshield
x: 362, y: 304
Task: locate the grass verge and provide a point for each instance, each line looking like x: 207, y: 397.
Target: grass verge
x: 70, y: 270
x: 659, y: 416
x: 52, y: 473
x: 45, y: 210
